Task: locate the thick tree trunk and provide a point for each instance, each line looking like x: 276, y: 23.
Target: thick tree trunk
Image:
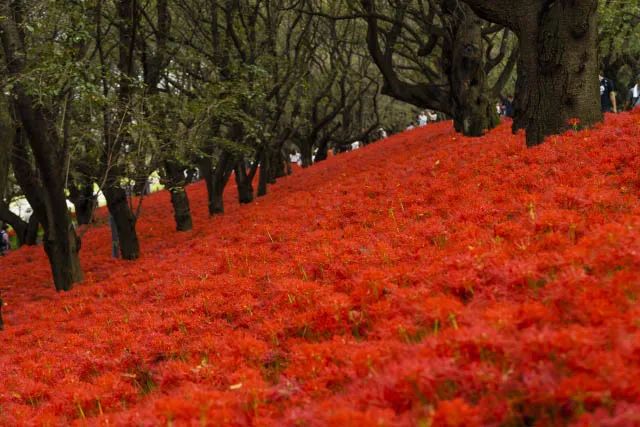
x: 558, y: 71
x: 175, y: 182
x: 31, y: 237
x: 558, y: 63
x: 306, y: 154
x: 216, y: 181
x: 323, y: 150
x: 181, y: 209
x: 243, y: 183
x: 125, y: 220
x: 64, y: 259
x: 473, y: 111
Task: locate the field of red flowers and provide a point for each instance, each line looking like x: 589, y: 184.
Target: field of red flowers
x: 428, y: 279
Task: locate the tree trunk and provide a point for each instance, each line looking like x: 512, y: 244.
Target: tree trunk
x: 61, y: 242
x: 64, y: 259
x: 278, y: 166
x: 84, y: 201
x: 558, y: 72
x: 264, y: 172
x: 31, y: 237
x: 473, y: 111
x: 125, y: 220
x: 216, y: 181
x: 243, y: 183
x: 558, y: 63
x: 306, y: 154
x: 323, y: 150
x: 181, y: 209
x: 175, y: 182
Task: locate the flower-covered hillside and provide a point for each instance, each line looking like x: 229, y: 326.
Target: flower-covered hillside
x: 428, y: 279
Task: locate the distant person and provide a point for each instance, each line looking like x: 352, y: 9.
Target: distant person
x: 422, y: 119
x: 508, y: 106
x: 634, y: 95
x: 4, y: 240
x: 382, y: 133
x: 432, y: 116
x: 410, y: 127
x: 607, y: 95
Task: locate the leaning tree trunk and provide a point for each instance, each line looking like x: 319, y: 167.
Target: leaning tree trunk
x: 175, y: 182
x: 125, y: 220
x: 473, y: 111
x: 61, y: 241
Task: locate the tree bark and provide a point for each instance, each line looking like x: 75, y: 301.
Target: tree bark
x: 473, y: 111
x: 216, y: 180
x: 175, y: 182
x: 558, y: 64
x: 323, y: 150
x: 278, y: 165
x: 84, y: 201
x: 244, y: 183
x: 31, y: 237
x: 117, y: 203
x: 264, y: 173
x: 306, y: 153
x: 181, y: 209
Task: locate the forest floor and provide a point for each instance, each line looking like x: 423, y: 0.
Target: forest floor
x: 428, y: 279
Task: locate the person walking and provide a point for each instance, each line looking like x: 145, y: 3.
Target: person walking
x: 422, y: 119
x: 608, y: 102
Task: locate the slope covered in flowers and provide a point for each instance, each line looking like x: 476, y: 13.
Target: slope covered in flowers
x: 428, y: 279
